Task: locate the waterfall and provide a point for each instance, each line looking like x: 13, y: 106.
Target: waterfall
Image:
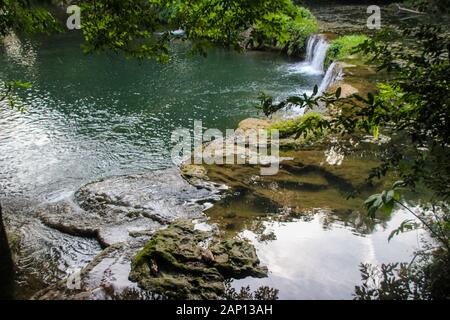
x: 333, y: 74
x: 310, y: 48
x: 316, y: 51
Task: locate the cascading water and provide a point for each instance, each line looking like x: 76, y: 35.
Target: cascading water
x: 316, y: 51
x: 333, y: 74
x: 319, y: 53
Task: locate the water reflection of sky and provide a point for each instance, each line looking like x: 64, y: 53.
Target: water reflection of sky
x: 310, y: 261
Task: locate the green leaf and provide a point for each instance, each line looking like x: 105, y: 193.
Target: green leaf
x: 376, y: 132
x: 315, y: 90
x: 370, y: 98
x: 405, y: 226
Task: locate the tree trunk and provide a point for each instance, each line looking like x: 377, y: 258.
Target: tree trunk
x: 6, y: 265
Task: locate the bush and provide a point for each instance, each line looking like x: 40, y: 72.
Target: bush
x: 299, y: 30
x: 343, y: 47
x: 286, y: 31
x: 426, y: 279
x: 293, y: 126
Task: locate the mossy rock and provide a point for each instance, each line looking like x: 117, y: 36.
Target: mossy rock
x: 181, y: 262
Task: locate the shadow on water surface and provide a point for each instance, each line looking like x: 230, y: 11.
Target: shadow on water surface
x: 302, y: 186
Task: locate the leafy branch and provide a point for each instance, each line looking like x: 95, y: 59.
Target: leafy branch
x: 7, y: 94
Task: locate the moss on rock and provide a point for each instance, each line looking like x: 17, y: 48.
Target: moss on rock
x: 181, y: 262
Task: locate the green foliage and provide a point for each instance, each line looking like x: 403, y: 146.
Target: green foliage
x: 21, y: 16
x: 124, y: 26
x: 299, y: 30
x: 293, y: 126
x: 286, y: 31
x: 140, y: 28
x: 388, y: 282
x: 343, y: 47
x: 6, y: 90
x: 132, y: 26
x: 427, y: 277
x: 385, y: 200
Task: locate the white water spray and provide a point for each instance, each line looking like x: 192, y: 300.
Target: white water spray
x: 314, y: 64
x: 316, y: 51
x: 333, y: 74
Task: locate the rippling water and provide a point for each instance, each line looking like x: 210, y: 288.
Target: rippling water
x: 94, y: 116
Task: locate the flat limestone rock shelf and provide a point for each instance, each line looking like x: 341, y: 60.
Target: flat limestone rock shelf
x: 118, y: 209
x: 310, y: 179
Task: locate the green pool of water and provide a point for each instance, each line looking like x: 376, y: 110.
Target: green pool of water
x: 94, y: 116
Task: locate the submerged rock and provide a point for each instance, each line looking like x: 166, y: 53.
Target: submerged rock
x: 160, y: 195
x: 104, y: 278
x: 181, y: 262
x: 313, y: 180
x: 347, y: 90
x: 115, y: 209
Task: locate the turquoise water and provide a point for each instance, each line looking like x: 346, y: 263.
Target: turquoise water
x: 94, y: 116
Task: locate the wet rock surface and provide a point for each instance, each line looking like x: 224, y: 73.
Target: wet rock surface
x: 119, y: 214
x: 312, y: 180
x: 104, y: 278
x: 181, y: 262
x: 6, y: 264
x: 341, y: 18
x: 254, y: 124
x: 113, y: 209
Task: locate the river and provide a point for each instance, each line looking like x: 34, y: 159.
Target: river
x: 91, y: 117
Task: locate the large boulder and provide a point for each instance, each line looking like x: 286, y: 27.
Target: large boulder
x: 181, y: 262
x: 254, y: 124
